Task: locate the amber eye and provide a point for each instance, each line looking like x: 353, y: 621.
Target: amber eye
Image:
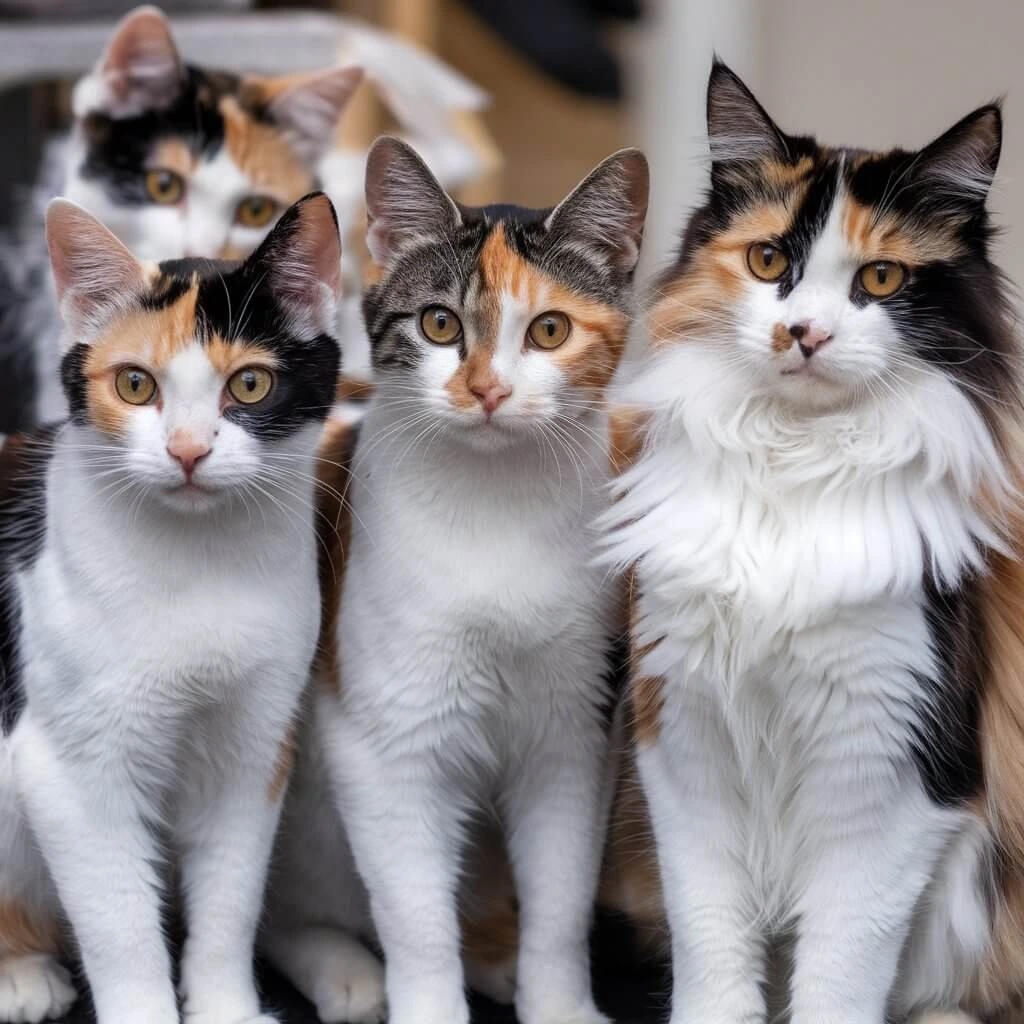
x: 766, y: 261
x: 255, y: 211
x: 164, y: 187
x: 882, y: 279
x: 549, y: 330
x: 440, y: 325
x: 135, y: 386
x: 250, y: 385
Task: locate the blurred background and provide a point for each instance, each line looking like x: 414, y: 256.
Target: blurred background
x: 569, y: 81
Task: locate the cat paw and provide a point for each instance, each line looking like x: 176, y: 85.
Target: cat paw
x: 353, y: 994
x: 206, y: 1018
x: 945, y: 1017
x: 586, y: 1014
x: 33, y: 989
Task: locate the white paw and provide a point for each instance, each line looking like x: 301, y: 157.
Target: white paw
x: 218, y: 1018
x: 352, y: 994
x: 34, y: 988
x: 945, y: 1017
x: 497, y: 981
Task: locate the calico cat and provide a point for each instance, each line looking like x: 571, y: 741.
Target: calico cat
x: 160, y: 615
x: 828, y: 595
x: 466, y: 654
x: 178, y: 162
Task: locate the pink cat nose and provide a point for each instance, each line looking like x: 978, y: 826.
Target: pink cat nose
x: 491, y: 395
x: 810, y: 336
x: 187, y: 450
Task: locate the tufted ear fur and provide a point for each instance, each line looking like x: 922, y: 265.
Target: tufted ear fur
x: 607, y: 210
x: 301, y: 261
x: 404, y: 201
x: 95, y: 275
x: 739, y: 128
x: 139, y: 71
x: 962, y: 162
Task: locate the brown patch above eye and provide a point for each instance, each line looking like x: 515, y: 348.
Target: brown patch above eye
x: 149, y: 337
x: 885, y: 238
x: 228, y: 356
x: 263, y: 155
x: 696, y: 300
x: 173, y: 155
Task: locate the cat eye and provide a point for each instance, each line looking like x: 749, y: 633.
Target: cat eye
x: 882, y: 278
x: 135, y: 386
x: 767, y: 262
x: 256, y: 211
x: 549, y: 330
x: 164, y: 187
x: 250, y: 385
x: 440, y: 325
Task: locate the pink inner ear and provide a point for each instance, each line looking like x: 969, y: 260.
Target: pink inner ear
x: 310, y: 109
x: 318, y: 244
x: 141, y: 65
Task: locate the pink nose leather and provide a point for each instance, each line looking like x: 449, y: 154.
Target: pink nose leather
x: 187, y: 450
x: 491, y: 395
x: 809, y: 336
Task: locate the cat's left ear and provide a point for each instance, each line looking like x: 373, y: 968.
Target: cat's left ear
x: 606, y: 211
x: 140, y: 70
x: 307, y: 106
x: 95, y: 275
x: 962, y: 162
x: 300, y: 261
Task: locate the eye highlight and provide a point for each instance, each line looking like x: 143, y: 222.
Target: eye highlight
x: 250, y: 385
x: 135, y: 386
x: 550, y: 330
x: 767, y: 262
x: 164, y: 186
x: 440, y: 325
x: 882, y: 278
x: 256, y: 211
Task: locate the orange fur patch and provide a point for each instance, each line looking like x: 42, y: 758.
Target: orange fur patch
x: 23, y: 932
x: 626, y: 436
x: 334, y: 529
x: 475, y: 371
x: 350, y: 389
x: 173, y: 155
x: 489, y: 913
x: 263, y: 155
x: 886, y: 239
x: 284, y: 764
x: 698, y: 298
x: 782, y: 340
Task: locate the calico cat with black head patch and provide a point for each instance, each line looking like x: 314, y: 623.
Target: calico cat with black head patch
x: 178, y: 161
x: 465, y: 664
x: 160, y: 611
x: 827, y: 580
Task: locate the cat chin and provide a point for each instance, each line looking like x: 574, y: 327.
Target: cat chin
x: 191, y: 499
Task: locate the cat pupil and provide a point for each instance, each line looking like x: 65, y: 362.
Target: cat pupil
x: 249, y: 379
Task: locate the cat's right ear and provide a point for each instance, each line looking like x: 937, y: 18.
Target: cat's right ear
x: 405, y: 203
x: 140, y: 70
x: 94, y: 273
x: 739, y: 128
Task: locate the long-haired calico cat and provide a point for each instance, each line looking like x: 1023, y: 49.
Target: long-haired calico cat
x: 178, y: 162
x: 159, y: 597
x: 467, y: 641
x: 827, y: 615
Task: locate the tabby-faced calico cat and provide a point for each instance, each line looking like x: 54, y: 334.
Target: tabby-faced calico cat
x: 469, y: 638
x: 178, y: 162
x: 828, y: 646
x: 160, y: 613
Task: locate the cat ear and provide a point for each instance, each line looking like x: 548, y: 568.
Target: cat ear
x: 739, y: 128
x: 606, y: 211
x: 307, y: 107
x: 140, y: 70
x: 404, y: 201
x: 962, y: 162
x: 300, y: 261
x: 95, y: 274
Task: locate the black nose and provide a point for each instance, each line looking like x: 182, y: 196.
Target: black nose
x: 798, y: 331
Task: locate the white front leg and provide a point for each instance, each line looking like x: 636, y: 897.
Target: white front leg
x: 555, y: 811
x: 717, y: 949
x: 406, y: 825
x: 91, y: 823
x: 227, y: 831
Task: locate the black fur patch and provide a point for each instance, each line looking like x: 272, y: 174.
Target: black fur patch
x: 947, y: 746
x: 23, y: 463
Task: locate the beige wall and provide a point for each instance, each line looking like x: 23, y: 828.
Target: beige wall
x: 873, y: 73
